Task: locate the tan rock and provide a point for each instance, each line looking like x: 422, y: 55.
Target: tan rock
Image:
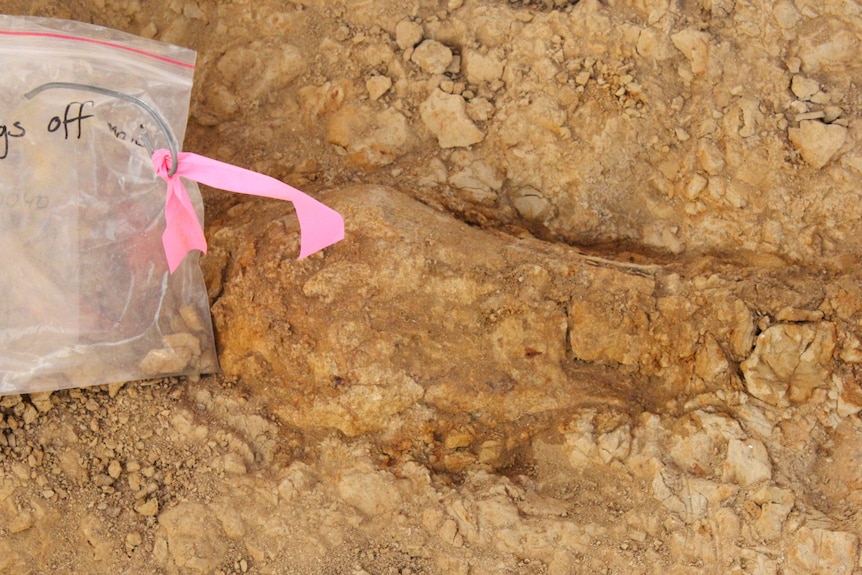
x: 710, y: 361
x: 445, y: 115
x: 372, y: 493
x: 481, y: 68
x: 735, y: 317
x: 21, y: 522
x: 822, y: 552
x: 786, y: 14
x: 377, y: 86
x: 133, y: 540
x: 407, y: 34
x: 694, y: 45
x: 166, y: 361
x: 789, y: 362
x: 691, y: 450
x: 829, y: 45
x: 791, y: 314
x: 803, y: 88
x: 695, y: 186
x: 480, y: 109
x: 771, y: 507
x: 183, y: 341
x: 192, y: 318
x: 532, y: 205
x: 432, y: 56
x: 839, y: 471
x: 148, y: 507
x: 747, y: 462
x: 190, y: 539
x: 832, y: 113
x: 115, y: 469
x: 42, y: 401
x: 371, y: 138
x: 817, y: 142
x: 221, y: 102
x: 480, y: 182
x: 255, y: 69
x: 709, y: 156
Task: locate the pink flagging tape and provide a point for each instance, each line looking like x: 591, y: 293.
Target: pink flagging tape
x: 319, y: 225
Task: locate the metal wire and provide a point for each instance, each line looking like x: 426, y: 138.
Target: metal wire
x: 169, y: 135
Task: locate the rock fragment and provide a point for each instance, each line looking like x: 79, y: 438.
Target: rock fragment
x: 803, y: 88
x: 190, y: 539
x: 166, y: 360
x: 148, y: 507
x: 115, y: 469
x: 255, y: 69
x: 820, y: 551
x: 480, y: 181
x: 817, y: 142
x: 829, y: 47
x: 183, y: 341
x: 789, y: 362
x: 710, y: 361
x: 786, y: 14
x: 407, y: 34
x: 370, y: 493
x: 377, y: 86
x: 695, y: 186
x: 747, y: 462
x: 133, y: 540
x: 42, y: 401
x: 179, y: 351
x: 432, y: 56
x: 445, y: 115
x: 710, y: 158
x: 481, y: 68
x: 769, y: 508
x: 191, y: 317
x: 832, y: 113
x: 694, y: 45
x: 602, y: 333
x: 480, y: 109
x: 21, y: 522
x: 532, y: 205
x: 372, y: 139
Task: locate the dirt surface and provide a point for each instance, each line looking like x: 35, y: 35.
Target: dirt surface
x: 598, y: 308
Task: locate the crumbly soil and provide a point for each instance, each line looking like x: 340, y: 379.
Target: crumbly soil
x: 598, y: 308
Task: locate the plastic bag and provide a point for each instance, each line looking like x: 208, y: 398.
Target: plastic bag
x: 86, y: 296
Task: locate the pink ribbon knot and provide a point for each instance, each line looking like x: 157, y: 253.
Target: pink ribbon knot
x: 319, y: 225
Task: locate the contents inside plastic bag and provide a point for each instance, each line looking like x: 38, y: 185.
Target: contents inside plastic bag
x: 87, y: 294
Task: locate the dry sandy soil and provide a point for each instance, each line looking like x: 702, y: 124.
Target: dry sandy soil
x: 598, y: 309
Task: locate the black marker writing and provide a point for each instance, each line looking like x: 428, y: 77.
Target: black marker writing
x: 74, y: 116
x: 69, y: 117
x: 16, y: 131
x: 23, y: 200
x: 118, y: 133
x: 122, y: 135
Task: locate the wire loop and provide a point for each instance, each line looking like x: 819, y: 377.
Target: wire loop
x: 172, y: 141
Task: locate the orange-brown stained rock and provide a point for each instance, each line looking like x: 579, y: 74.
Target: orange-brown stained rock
x: 416, y: 317
x: 408, y: 312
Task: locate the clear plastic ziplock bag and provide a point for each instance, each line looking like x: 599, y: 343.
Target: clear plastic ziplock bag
x: 97, y: 286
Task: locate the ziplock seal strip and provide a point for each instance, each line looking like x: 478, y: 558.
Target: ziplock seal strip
x: 57, y: 36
